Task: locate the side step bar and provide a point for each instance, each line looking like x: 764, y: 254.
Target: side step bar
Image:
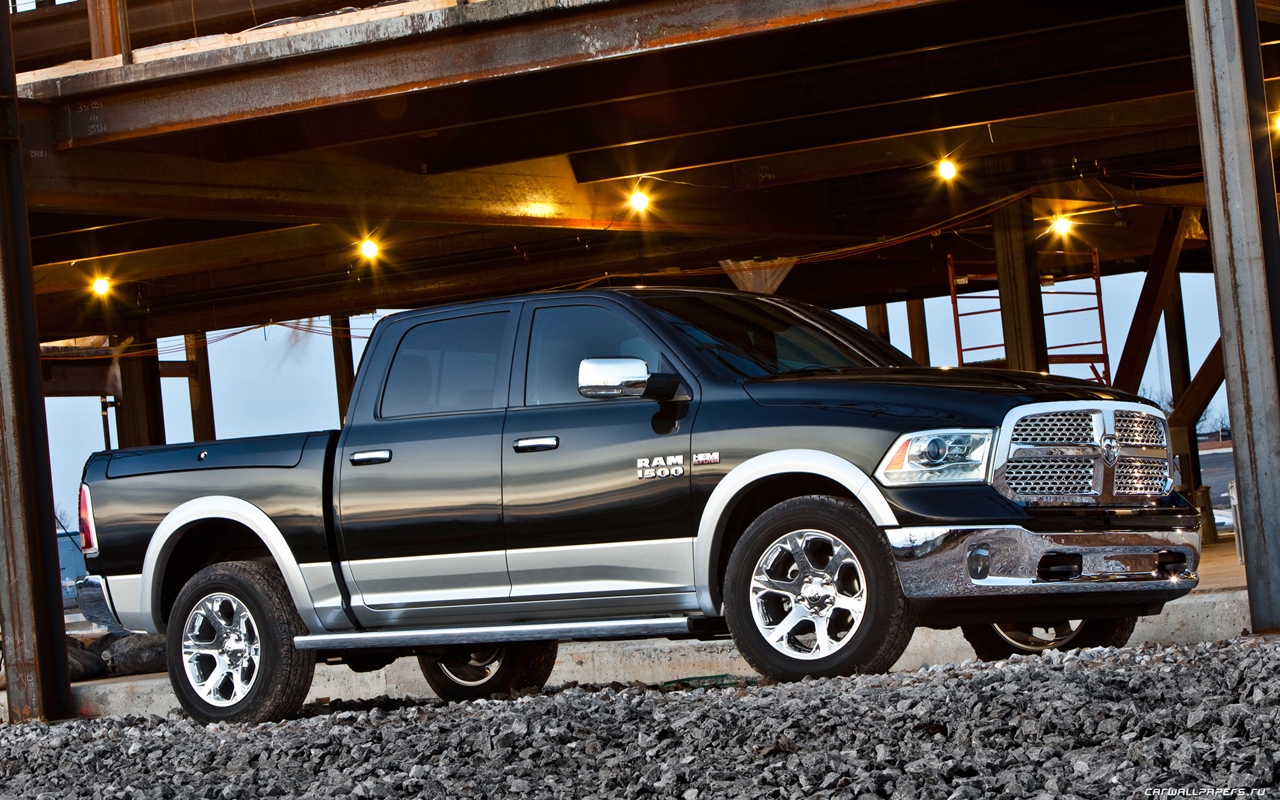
x: 523, y: 632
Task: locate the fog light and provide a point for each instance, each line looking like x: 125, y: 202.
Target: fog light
x: 979, y: 562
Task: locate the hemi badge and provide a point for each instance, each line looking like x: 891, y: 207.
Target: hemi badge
x: 706, y: 458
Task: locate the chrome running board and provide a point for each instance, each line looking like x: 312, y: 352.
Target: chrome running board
x: 523, y: 632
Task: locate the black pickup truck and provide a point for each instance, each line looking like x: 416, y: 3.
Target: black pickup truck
x: 630, y: 464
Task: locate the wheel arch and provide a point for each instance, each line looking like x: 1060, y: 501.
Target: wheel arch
x: 207, y: 530
x: 756, y: 485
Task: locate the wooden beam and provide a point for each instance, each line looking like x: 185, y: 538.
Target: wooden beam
x: 1185, y: 447
x: 878, y: 320
x: 1162, y: 271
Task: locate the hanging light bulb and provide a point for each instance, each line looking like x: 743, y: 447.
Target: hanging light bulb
x: 946, y: 169
x: 369, y: 249
x: 1061, y: 225
x: 101, y: 286
x: 638, y: 201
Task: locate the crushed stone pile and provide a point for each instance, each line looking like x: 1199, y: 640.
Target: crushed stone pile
x: 1102, y: 722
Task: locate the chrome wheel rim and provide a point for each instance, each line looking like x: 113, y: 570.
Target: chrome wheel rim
x: 221, y: 650
x: 474, y: 667
x: 808, y: 595
x: 1037, y: 638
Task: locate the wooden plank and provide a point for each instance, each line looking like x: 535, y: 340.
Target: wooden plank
x: 1199, y: 394
x: 878, y: 320
x: 1018, y: 279
x: 344, y: 370
x: 919, y: 329
x: 200, y: 388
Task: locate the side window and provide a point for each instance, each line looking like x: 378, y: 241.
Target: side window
x: 564, y: 335
x: 449, y: 365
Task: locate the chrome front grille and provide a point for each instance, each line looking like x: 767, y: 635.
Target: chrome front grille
x: 1141, y: 475
x: 1051, y: 476
x: 1059, y: 427
x: 1135, y: 429
x: 1080, y: 455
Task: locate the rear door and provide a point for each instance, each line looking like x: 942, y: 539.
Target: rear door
x: 596, y: 492
x: 419, y: 490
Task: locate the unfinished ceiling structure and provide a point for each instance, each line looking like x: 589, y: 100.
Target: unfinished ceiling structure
x: 219, y: 161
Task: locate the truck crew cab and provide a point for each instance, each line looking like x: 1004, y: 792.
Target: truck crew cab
x: 629, y: 464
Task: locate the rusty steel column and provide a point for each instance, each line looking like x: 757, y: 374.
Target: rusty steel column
x: 1018, y: 279
x: 343, y: 363
x: 140, y: 406
x: 1235, y: 144
x: 35, y: 650
x: 109, y: 30
x: 878, y: 320
x: 919, y: 332
x: 200, y: 387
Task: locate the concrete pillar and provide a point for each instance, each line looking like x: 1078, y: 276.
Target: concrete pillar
x: 343, y: 363
x: 1235, y: 144
x: 200, y: 387
x: 919, y: 331
x: 30, y: 598
x: 1018, y: 278
x: 140, y: 408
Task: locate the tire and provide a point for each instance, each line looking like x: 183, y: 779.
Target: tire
x: 230, y: 646
x: 837, y: 610
x: 999, y: 641
x: 471, y: 672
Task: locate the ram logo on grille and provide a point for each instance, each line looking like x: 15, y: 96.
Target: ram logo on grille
x: 1086, y: 456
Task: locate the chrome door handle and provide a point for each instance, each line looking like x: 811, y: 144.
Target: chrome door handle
x: 370, y: 457
x: 536, y: 444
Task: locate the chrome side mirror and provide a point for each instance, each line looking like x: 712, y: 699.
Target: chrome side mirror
x: 606, y: 378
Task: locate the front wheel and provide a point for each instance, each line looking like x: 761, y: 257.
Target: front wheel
x: 811, y: 589
x: 1000, y: 640
x: 471, y: 672
x: 230, y: 646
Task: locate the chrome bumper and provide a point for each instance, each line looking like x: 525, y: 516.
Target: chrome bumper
x: 95, y: 603
x: 993, y: 562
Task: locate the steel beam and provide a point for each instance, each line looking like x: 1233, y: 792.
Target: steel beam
x: 200, y: 388
x: 30, y: 598
x: 1240, y: 183
x: 1162, y: 273
x: 1018, y: 279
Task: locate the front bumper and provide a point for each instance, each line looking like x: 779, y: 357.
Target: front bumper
x: 973, y: 574
x: 94, y: 600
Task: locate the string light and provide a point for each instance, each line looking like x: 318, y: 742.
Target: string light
x: 946, y: 169
x: 638, y: 201
x: 369, y: 249
x: 1061, y: 225
x: 101, y: 286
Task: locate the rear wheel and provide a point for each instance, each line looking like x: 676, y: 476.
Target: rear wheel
x: 1001, y: 640
x: 811, y: 589
x: 230, y: 646
x: 469, y: 672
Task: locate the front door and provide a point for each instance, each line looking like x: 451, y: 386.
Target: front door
x: 420, y: 473
x: 596, y: 492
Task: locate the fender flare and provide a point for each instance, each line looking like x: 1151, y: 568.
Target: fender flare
x: 212, y: 507
x: 780, y: 462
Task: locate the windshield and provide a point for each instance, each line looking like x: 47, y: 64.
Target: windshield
x: 745, y: 337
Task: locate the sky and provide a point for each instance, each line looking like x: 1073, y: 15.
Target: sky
x: 279, y: 380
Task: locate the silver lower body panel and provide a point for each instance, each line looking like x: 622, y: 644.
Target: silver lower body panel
x: 522, y: 632
x: 939, y: 562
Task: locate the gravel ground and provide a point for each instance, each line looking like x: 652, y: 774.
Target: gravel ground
x: 1183, y: 721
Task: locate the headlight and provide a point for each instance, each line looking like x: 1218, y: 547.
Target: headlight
x: 953, y: 456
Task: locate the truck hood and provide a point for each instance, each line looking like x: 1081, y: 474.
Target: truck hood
x: 962, y: 397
